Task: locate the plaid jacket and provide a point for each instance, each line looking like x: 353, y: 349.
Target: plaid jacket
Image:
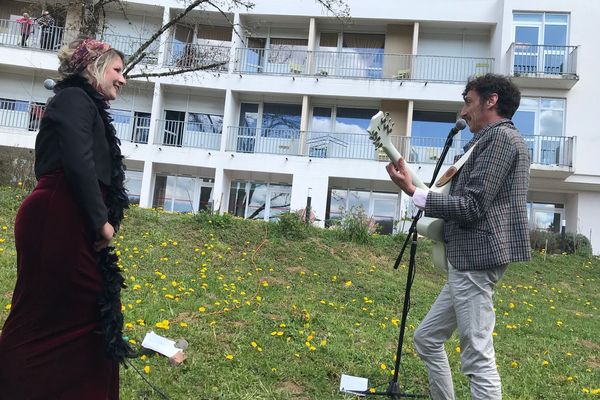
x: 486, y: 211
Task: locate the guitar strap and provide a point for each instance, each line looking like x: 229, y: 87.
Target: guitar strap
x: 453, y: 170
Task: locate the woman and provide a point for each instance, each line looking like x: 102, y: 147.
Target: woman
x: 63, y: 336
x: 26, y: 28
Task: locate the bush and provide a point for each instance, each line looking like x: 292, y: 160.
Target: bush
x: 291, y: 226
x: 355, y: 226
x: 214, y: 219
x: 573, y: 243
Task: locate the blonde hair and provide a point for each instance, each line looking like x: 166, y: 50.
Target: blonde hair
x: 98, y: 67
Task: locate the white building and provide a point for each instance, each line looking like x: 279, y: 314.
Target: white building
x: 283, y: 115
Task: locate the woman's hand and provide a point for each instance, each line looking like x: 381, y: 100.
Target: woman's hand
x: 105, y: 235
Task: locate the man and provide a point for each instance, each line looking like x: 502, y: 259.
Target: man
x: 46, y: 22
x: 486, y: 228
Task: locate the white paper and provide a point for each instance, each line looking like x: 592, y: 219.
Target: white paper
x: 160, y: 344
x: 352, y: 384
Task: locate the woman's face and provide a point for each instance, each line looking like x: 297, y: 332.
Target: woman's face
x: 113, y: 79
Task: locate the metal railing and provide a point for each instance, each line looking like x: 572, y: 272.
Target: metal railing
x: 550, y: 150
x: 542, y: 60
x: 263, y: 140
x: 543, y: 150
x: 360, y: 64
x: 190, y: 55
x: 135, y: 130
x: 188, y: 134
x: 13, y: 33
x: 129, y: 45
x: 21, y: 115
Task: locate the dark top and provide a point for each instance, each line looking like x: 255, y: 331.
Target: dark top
x: 72, y: 138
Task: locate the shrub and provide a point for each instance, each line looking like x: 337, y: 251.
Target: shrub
x: 291, y: 226
x: 553, y: 243
x: 214, y: 219
x: 355, y: 226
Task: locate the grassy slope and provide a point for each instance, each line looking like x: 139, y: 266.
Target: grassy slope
x: 269, y: 318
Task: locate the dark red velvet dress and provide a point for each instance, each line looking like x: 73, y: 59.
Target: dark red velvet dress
x: 49, y: 347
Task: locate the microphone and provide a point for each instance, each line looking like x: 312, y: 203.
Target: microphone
x: 459, y: 126
x: 49, y: 84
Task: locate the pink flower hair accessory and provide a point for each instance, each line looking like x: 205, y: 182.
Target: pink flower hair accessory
x: 87, y: 52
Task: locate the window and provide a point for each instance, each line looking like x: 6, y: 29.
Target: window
x: 133, y: 184
x: 141, y: 127
x: 281, y: 120
x: 182, y: 193
x: 382, y: 207
x: 256, y: 200
x: 545, y: 216
x: 428, y: 135
x: 540, y: 42
x: 173, y: 128
x: 14, y: 105
x: 541, y: 121
x: 203, y: 130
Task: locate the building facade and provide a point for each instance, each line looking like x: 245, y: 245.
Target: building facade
x: 280, y: 113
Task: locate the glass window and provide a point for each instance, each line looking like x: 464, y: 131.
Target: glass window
x: 540, y: 116
x: 120, y: 116
x: 353, y: 120
x: 209, y: 123
x: 141, y: 128
x: 263, y: 201
x: 133, y: 184
x: 174, y: 193
x: 358, y: 199
x: 546, y: 216
x: 281, y: 120
x: 337, y: 203
x: 237, y: 199
x: 247, y: 131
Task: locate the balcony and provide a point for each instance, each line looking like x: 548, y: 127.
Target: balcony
x: 49, y: 40
x: 361, y: 65
x: 190, y: 55
x: 132, y: 129
x: 188, y: 134
x: 543, y: 66
x: 553, y: 151
x: 20, y: 116
x: 128, y: 45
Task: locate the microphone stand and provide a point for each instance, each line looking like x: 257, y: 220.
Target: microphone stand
x: 393, y: 390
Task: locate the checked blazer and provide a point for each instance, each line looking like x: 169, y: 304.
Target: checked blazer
x: 486, y: 211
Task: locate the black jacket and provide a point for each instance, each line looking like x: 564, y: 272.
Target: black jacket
x: 72, y: 138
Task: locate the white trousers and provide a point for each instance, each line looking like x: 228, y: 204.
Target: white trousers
x: 465, y: 302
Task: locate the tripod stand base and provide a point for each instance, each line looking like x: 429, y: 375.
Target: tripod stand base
x: 393, y: 392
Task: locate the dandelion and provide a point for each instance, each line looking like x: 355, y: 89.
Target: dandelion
x: 545, y: 362
x: 514, y: 364
x: 457, y: 349
x: 147, y: 369
x: 348, y: 283
x: 183, y: 324
x: 229, y: 356
x: 382, y: 366
x: 8, y: 306
x: 163, y: 324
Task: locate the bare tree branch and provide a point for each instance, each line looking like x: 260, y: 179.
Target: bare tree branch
x: 176, y: 71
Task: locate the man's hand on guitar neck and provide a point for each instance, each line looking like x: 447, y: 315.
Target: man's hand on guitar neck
x: 400, y: 176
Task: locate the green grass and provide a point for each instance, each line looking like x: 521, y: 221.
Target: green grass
x: 295, y: 315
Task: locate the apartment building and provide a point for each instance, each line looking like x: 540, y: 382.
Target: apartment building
x: 281, y: 113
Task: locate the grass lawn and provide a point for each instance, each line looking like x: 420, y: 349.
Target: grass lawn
x: 272, y: 318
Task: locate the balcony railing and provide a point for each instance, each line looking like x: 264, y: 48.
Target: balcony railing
x: 367, y: 65
x: 135, y: 130
x: 188, y: 134
x: 189, y: 55
x: 543, y: 150
x: 49, y: 39
x: 542, y: 60
x: 129, y: 45
x: 21, y: 115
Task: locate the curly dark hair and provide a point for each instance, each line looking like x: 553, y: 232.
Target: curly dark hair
x: 509, y: 95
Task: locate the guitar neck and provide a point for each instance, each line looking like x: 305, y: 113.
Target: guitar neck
x: 394, y: 155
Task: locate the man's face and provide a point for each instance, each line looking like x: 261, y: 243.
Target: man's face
x: 473, y: 111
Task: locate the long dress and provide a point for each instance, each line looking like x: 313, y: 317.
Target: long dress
x: 54, y: 342
x: 49, y: 344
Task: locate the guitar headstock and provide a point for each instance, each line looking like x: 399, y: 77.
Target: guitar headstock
x: 380, y: 129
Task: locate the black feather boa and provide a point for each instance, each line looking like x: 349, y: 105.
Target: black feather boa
x: 111, y: 316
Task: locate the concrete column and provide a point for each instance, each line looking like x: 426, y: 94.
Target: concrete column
x: 156, y: 114
x: 163, y: 51
x: 147, y: 185
x: 312, y: 45
x: 229, y: 120
x: 304, y: 124
x: 237, y: 43
x: 220, y: 192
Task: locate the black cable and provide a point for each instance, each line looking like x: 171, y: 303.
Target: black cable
x: 157, y: 390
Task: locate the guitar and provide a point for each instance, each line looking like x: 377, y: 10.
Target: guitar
x: 380, y: 129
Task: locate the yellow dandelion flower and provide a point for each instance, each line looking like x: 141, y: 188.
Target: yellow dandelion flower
x: 183, y: 324
x: 382, y: 366
x: 229, y: 356
x: 8, y: 306
x: 202, y: 309
x: 147, y: 369
x: 348, y: 283
x: 253, y: 344
x: 596, y: 391
x: 514, y: 364
x: 545, y: 362
x: 457, y: 349
x: 143, y: 357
